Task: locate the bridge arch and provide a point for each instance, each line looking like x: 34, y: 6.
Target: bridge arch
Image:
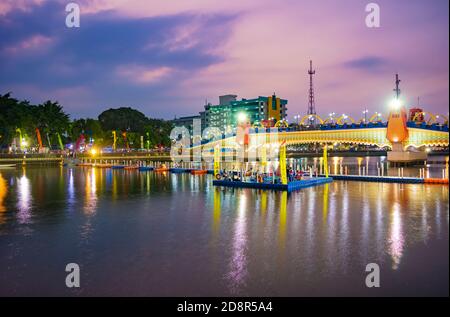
x: 376, y: 117
x: 309, y: 116
x: 431, y: 117
x: 366, y: 136
x: 282, y: 124
x: 443, y: 117
x: 341, y: 119
x: 330, y: 120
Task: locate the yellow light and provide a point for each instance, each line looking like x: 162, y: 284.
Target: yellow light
x: 93, y: 151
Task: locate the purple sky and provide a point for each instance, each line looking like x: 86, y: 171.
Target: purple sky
x: 166, y: 57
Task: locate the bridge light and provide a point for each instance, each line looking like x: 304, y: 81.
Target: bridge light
x: 242, y: 117
x: 396, y: 104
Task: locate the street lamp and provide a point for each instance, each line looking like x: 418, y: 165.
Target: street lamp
x: 365, y: 115
x: 379, y: 116
x: 331, y: 115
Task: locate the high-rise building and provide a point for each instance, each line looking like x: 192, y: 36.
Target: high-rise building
x: 187, y: 122
x: 226, y: 115
x: 230, y: 111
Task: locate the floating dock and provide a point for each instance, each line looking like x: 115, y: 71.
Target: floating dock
x: 290, y: 187
x: 390, y: 179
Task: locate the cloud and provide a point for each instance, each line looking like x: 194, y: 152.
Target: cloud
x: 7, y: 6
x: 368, y: 63
x: 166, y: 57
x: 33, y: 43
x: 143, y: 75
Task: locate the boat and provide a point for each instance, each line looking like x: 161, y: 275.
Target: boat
x: 199, y: 172
x: 145, y: 168
x: 162, y: 168
x: 103, y: 165
x: 131, y: 167
x: 179, y: 170
x: 84, y: 164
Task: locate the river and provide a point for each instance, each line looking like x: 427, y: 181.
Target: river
x: 163, y: 234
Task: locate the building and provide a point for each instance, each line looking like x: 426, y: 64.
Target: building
x: 227, y: 114
x: 230, y: 111
x: 187, y: 122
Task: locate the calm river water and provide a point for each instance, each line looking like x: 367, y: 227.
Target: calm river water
x: 162, y: 234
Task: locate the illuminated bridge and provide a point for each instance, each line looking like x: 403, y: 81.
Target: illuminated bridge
x: 401, y: 136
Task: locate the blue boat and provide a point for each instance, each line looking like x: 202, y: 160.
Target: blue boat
x: 145, y: 168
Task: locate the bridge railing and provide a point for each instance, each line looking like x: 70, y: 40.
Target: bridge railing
x: 424, y: 125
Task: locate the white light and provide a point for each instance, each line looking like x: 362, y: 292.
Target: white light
x: 242, y: 117
x: 396, y: 104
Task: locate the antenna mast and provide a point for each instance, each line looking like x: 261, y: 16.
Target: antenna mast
x: 397, y: 89
x: 311, y: 105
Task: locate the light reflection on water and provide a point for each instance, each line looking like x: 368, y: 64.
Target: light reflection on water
x: 168, y: 234
x: 24, y: 199
x: 3, y: 192
x: 238, y: 262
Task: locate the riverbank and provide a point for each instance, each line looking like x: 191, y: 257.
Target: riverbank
x: 165, y: 157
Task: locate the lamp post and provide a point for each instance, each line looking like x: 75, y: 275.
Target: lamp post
x: 331, y: 115
x: 365, y: 115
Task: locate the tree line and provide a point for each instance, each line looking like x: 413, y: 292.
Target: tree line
x: 53, y: 123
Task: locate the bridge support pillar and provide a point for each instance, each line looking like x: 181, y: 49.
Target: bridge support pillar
x: 399, y: 155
